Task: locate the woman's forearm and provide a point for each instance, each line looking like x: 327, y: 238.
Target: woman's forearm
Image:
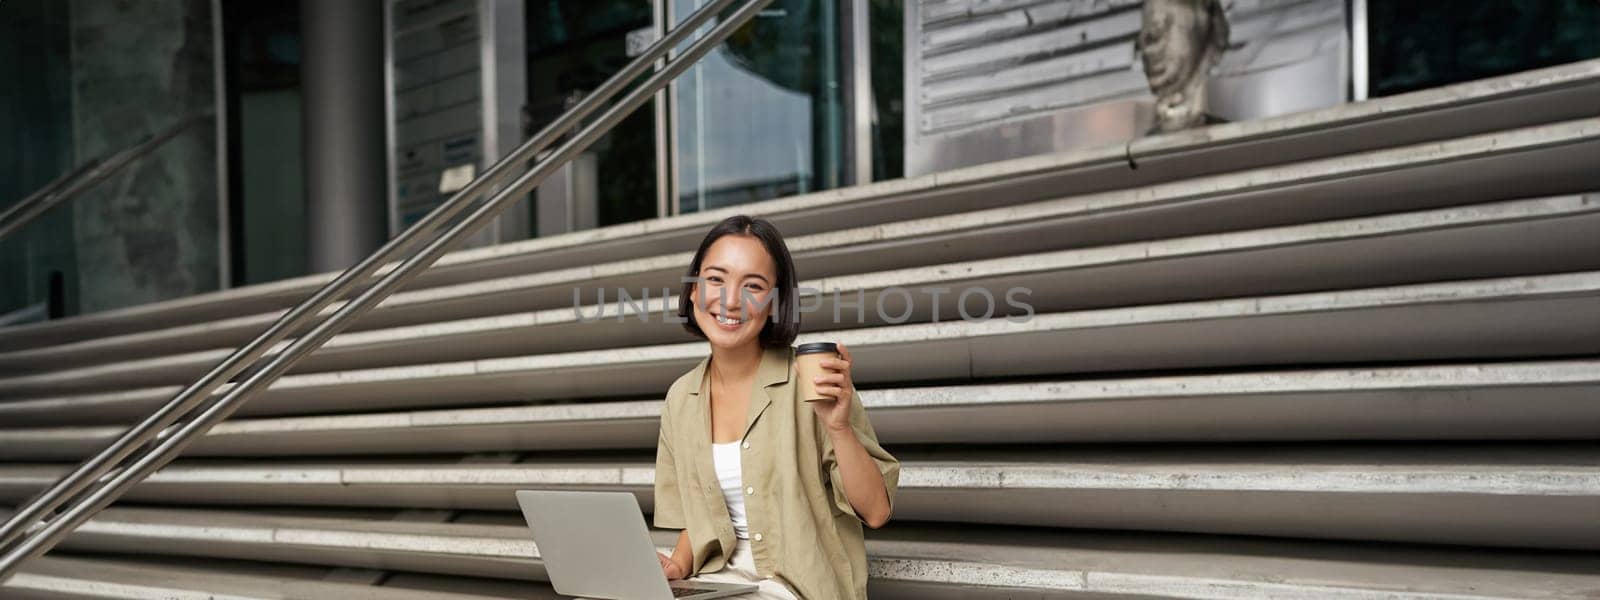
x: 863, y: 483
x: 682, y: 554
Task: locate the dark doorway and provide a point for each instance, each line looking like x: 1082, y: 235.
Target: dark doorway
x: 573, y: 47
x: 266, y: 190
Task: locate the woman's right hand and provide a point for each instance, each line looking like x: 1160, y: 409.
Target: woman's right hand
x: 669, y: 568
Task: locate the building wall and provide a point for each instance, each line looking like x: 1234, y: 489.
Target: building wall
x: 35, y: 146
x: 989, y: 81
x: 150, y: 232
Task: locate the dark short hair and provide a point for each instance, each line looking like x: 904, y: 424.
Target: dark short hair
x: 783, y: 325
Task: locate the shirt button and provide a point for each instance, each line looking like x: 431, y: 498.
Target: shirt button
x: 747, y: 445
x: 757, y: 537
x: 749, y: 491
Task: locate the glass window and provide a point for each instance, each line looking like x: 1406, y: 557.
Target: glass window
x: 886, y: 41
x: 761, y: 116
x: 267, y: 190
x: 573, y: 47
x: 39, y: 263
x: 1422, y: 44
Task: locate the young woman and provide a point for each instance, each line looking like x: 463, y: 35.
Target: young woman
x: 766, y: 489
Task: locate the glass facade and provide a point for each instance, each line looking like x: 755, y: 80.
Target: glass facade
x: 762, y: 116
x: 573, y: 47
x: 85, y: 81
x: 886, y: 45
x: 267, y: 201
x: 36, y: 147
x: 1422, y: 44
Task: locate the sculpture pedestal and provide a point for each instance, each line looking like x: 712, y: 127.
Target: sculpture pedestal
x: 1073, y: 128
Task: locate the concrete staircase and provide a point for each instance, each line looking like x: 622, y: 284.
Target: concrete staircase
x: 1348, y: 353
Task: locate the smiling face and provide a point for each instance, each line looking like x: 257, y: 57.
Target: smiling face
x: 733, y: 298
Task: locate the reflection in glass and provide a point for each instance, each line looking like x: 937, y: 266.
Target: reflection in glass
x: 267, y: 193
x: 1418, y: 44
x: 39, y: 263
x: 573, y: 47
x: 886, y: 46
x: 761, y: 116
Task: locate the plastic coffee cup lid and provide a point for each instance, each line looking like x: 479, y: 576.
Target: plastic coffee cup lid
x: 816, y: 347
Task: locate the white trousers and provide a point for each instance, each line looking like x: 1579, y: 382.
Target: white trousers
x: 741, y: 568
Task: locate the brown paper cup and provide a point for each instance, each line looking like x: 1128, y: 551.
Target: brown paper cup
x: 808, y: 364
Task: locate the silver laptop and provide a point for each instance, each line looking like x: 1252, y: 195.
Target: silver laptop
x: 595, y: 545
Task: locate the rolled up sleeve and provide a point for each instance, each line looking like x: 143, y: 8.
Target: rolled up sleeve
x: 888, y: 465
x: 668, y: 504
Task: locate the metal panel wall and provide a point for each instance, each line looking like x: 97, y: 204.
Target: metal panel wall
x: 993, y: 79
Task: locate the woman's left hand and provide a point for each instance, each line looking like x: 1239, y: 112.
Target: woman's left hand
x: 835, y: 414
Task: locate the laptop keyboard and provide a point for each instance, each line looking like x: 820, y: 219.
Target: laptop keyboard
x: 679, y: 592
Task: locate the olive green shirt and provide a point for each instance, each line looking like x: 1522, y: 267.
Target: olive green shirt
x: 803, y: 530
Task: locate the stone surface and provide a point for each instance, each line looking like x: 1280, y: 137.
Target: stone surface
x: 150, y: 232
x: 1179, y: 42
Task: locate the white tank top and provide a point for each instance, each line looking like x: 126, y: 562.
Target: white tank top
x: 729, y: 476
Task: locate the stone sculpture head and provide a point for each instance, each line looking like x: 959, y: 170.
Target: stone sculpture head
x: 1179, y: 42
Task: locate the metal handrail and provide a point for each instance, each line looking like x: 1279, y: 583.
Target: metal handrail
x: 27, y: 314
x: 107, y: 475
x: 87, y: 176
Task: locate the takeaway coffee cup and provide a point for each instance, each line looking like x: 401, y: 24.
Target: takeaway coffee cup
x: 808, y: 364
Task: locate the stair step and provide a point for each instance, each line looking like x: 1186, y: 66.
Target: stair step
x: 1404, y: 360
x: 1541, y: 496
x: 1505, y: 318
x: 1551, y: 159
x: 81, y: 577
x: 907, y: 560
x: 1549, y: 400
x: 1517, y: 100
x: 1490, y: 240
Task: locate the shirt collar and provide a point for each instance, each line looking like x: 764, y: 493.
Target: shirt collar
x: 773, y: 370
